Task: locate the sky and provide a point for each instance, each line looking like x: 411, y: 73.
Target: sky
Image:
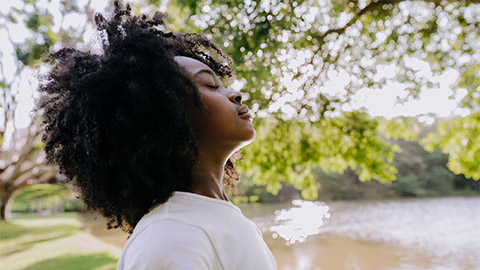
x: 441, y: 101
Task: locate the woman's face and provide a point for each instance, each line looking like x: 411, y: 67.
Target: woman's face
x: 226, y: 124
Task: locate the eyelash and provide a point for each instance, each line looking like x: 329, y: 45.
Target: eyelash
x: 213, y: 86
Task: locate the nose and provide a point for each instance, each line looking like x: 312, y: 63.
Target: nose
x: 235, y: 97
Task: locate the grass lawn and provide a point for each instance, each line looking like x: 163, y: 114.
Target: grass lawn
x: 54, y: 242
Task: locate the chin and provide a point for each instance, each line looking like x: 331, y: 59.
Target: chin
x: 248, y: 138
x: 252, y: 137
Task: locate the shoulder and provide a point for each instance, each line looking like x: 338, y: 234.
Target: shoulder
x: 170, y: 244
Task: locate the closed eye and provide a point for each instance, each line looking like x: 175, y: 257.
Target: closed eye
x: 213, y: 86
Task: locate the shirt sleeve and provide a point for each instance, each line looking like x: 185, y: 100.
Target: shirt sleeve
x: 174, y: 245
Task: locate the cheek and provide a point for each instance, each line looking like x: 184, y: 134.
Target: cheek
x: 218, y: 115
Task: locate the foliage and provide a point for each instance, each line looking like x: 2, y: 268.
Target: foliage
x: 286, y: 50
x: 360, y: 37
x: 46, y: 197
x: 289, y: 154
x: 21, y: 158
x: 420, y: 173
x: 406, y: 128
x: 458, y: 137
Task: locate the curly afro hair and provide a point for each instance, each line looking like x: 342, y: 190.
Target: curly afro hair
x: 116, y: 122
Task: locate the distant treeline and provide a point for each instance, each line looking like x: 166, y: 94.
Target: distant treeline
x: 420, y: 173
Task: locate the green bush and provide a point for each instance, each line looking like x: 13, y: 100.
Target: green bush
x: 46, y: 197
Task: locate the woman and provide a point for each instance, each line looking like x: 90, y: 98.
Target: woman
x: 145, y: 131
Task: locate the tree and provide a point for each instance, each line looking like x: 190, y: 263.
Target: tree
x: 22, y: 160
x: 459, y: 138
x: 286, y: 50
x: 23, y: 165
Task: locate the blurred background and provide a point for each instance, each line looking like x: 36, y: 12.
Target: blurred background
x: 367, y: 114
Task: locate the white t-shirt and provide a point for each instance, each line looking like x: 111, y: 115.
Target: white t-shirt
x: 192, y: 231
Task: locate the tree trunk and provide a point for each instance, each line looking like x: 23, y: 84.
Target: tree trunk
x: 6, y: 201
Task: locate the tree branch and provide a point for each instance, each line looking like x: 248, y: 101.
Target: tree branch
x: 43, y: 174
x: 372, y: 6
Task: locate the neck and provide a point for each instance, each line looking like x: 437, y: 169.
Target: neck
x: 207, y: 178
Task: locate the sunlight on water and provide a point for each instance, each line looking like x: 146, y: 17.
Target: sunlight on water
x: 297, y: 223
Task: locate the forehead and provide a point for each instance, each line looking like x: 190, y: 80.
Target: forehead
x: 191, y: 65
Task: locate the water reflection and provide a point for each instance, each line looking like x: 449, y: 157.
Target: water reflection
x: 297, y: 223
x: 404, y: 234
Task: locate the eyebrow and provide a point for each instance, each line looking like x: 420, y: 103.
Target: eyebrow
x: 205, y: 71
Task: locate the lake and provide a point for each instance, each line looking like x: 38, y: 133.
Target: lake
x: 409, y: 234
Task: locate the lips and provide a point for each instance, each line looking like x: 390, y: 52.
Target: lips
x: 246, y: 116
x: 244, y: 113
